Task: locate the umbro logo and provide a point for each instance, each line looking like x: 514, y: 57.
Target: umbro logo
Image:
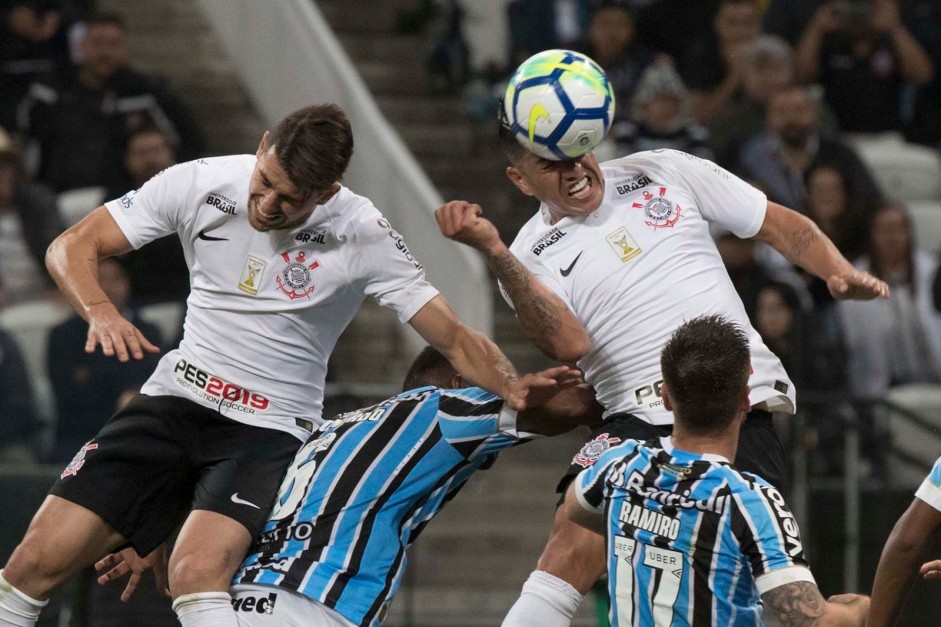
x: 209, y: 238
x: 568, y: 271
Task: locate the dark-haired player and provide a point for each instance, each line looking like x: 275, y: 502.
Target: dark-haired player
x: 280, y: 255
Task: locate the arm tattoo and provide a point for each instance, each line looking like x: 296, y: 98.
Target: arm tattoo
x: 542, y: 318
x: 797, y: 604
x: 801, y: 241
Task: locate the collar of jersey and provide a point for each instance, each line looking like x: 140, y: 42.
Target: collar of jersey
x: 666, y: 443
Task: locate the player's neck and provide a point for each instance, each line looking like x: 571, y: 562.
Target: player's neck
x: 724, y: 444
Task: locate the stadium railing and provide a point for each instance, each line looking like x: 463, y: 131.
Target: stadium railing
x: 289, y: 57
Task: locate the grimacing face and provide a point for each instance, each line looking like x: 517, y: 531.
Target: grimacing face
x: 574, y: 187
x: 274, y: 202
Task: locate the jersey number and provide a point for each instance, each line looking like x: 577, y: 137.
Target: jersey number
x: 667, y: 567
x: 298, y: 476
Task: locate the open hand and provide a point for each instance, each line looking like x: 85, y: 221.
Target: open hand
x: 931, y: 570
x: 537, y: 388
x: 115, y: 335
x: 857, y: 285
x: 116, y: 565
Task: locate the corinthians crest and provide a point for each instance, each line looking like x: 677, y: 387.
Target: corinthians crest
x: 294, y: 279
x: 660, y: 212
x: 593, y: 450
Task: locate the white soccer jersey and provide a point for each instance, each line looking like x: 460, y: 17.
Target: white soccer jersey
x: 643, y: 264
x: 265, y: 309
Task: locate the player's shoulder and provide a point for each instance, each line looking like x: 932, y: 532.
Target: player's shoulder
x: 353, y: 216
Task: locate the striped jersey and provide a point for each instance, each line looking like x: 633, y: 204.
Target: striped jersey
x: 363, y: 487
x: 930, y: 489
x: 690, y: 539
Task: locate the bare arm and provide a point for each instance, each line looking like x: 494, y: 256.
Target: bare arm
x: 472, y: 353
x: 807, y: 51
x: 549, y: 324
x: 804, y: 244
x: 566, y: 410
x: 581, y: 516
x: 800, y: 604
x: 72, y: 260
x: 900, y: 560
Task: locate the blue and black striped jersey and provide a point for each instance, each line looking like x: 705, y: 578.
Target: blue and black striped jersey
x: 363, y: 487
x: 690, y: 539
x: 930, y: 489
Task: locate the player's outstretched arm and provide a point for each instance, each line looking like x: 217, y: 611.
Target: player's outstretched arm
x: 901, y: 556
x: 569, y: 403
x: 72, y: 260
x: 547, y: 321
x: 800, y: 604
x: 804, y: 244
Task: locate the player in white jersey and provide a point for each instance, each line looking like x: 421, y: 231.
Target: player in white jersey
x: 913, y: 535
x: 280, y: 255
x: 614, y: 260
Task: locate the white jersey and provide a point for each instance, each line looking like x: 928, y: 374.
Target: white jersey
x: 644, y: 263
x: 265, y: 309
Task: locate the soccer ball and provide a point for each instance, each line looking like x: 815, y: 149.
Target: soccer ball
x: 559, y: 104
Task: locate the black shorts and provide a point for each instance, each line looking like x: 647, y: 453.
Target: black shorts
x: 161, y: 456
x: 759, y: 449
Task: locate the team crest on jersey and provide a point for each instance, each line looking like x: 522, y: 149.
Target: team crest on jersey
x: 594, y: 449
x: 623, y: 245
x: 251, y: 275
x: 294, y: 279
x: 79, y: 460
x: 661, y: 213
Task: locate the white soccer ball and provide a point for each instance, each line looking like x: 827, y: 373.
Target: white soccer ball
x: 559, y: 104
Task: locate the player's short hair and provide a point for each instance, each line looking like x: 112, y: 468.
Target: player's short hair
x: 705, y: 367
x: 513, y: 150
x: 429, y: 368
x: 314, y: 146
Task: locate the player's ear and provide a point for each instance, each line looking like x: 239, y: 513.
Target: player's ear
x: 262, y: 145
x: 665, y: 397
x: 516, y: 177
x: 457, y: 382
x: 744, y: 403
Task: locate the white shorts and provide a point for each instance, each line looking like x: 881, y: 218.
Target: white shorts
x: 268, y: 606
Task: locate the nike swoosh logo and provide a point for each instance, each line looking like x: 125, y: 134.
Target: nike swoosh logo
x: 236, y: 499
x: 535, y: 114
x: 209, y: 238
x: 568, y: 271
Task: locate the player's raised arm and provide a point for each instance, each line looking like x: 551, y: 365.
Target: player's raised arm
x: 805, y: 245
x: 72, y: 260
x: 544, y: 317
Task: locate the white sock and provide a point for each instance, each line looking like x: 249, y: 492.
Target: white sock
x: 546, y: 601
x: 16, y: 608
x: 205, y: 609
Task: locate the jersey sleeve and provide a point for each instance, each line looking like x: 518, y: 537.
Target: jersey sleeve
x: 769, y: 538
x: 930, y: 489
x: 723, y: 198
x: 590, y: 483
x: 477, y: 423
x: 391, y: 274
x: 158, y: 207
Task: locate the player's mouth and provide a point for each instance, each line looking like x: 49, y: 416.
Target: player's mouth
x: 582, y: 189
x: 267, y: 220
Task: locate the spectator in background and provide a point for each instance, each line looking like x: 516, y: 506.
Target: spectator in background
x: 18, y: 418
x: 158, y: 271
x: 668, y: 26
x: 33, y: 41
x: 713, y: 68
x: 661, y: 117
x: 768, y: 67
x: 80, y: 119
x: 792, y: 145
x: 897, y: 340
x: 862, y: 54
x: 29, y: 221
x: 91, y: 386
x: 537, y: 25
x: 923, y: 20
x: 837, y: 209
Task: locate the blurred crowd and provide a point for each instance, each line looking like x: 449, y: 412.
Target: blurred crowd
x: 78, y: 126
